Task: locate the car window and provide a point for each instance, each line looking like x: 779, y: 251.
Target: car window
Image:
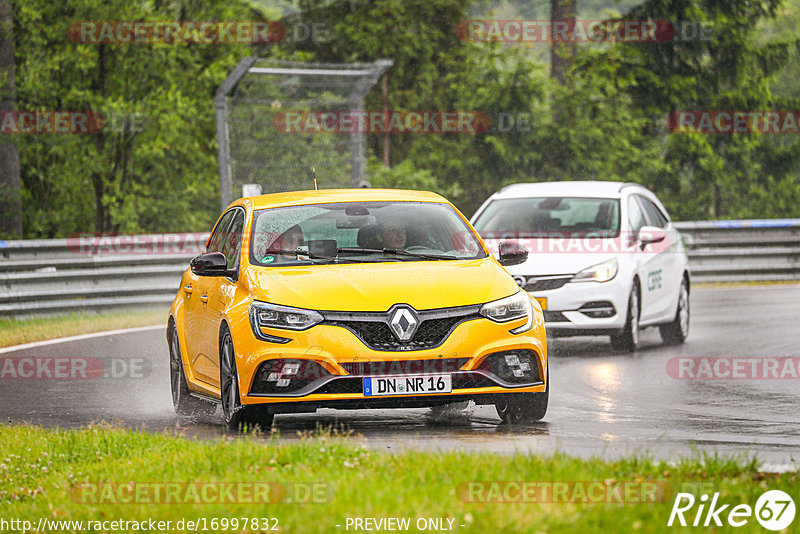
x: 635, y: 216
x: 652, y: 213
x: 549, y: 217
x: 217, y: 237
x: 365, y: 229
x: 232, y: 241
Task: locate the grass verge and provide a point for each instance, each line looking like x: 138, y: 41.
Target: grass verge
x: 18, y: 331
x: 105, y: 474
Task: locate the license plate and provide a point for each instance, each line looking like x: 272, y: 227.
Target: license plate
x: 542, y: 302
x: 381, y: 386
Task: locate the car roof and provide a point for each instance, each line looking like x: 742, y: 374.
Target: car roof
x: 297, y: 198
x: 588, y: 188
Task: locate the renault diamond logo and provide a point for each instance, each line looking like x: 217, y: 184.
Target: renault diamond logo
x: 404, y: 322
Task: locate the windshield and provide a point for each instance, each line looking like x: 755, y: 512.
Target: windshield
x: 549, y: 217
x: 360, y: 232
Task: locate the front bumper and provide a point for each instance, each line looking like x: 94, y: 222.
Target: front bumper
x: 578, y: 308
x: 338, y: 351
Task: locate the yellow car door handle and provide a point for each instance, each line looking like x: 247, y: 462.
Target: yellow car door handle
x: 188, y: 289
x: 203, y: 298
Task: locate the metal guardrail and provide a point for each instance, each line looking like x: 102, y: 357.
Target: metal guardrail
x: 743, y: 250
x: 87, y: 273
x: 40, y: 277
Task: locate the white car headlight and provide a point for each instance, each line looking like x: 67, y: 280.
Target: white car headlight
x: 602, y: 272
x: 274, y: 316
x: 507, y: 309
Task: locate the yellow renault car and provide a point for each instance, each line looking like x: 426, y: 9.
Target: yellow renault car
x: 350, y: 299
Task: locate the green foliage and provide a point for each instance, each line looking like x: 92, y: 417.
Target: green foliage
x: 733, y: 68
x: 105, y: 473
x: 405, y: 176
x: 153, y: 165
x: 606, y: 122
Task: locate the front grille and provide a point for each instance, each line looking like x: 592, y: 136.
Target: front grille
x: 554, y: 317
x: 405, y: 367
x: 343, y: 386
x: 472, y: 380
x: 348, y: 385
x: 545, y: 284
x: 372, y: 328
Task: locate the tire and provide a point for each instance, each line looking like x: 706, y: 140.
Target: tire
x: 524, y: 408
x: 628, y: 340
x: 676, y: 332
x: 236, y: 415
x: 182, y: 400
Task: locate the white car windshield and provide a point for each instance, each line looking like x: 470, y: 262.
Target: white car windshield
x: 350, y: 232
x: 549, y: 217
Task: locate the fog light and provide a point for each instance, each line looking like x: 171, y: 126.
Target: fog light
x: 516, y: 367
x: 283, y: 382
x: 291, y: 368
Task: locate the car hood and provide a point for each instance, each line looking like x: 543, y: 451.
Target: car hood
x: 546, y: 258
x: 378, y: 286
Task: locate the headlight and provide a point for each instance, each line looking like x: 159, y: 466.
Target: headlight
x: 507, y: 309
x: 602, y: 272
x: 274, y: 316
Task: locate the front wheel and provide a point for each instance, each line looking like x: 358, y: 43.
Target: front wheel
x: 235, y: 414
x: 676, y: 332
x: 524, y: 407
x: 628, y: 340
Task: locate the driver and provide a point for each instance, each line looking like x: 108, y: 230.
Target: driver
x: 392, y: 234
x: 287, y: 241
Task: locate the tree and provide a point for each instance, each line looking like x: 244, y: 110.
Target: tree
x: 724, y: 68
x: 153, y: 165
x: 10, y: 186
x: 560, y: 52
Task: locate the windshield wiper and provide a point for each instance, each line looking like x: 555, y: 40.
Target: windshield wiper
x: 310, y: 255
x: 395, y: 251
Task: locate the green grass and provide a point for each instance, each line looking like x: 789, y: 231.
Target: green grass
x: 40, y: 471
x: 18, y: 331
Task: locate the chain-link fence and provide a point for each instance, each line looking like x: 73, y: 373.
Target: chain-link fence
x: 256, y: 147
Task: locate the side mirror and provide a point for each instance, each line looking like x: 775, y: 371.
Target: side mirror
x: 210, y: 264
x: 512, y: 253
x: 649, y: 235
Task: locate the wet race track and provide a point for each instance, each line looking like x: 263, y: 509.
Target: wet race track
x: 602, y: 403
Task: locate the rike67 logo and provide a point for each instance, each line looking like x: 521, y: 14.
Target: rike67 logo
x: 774, y: 510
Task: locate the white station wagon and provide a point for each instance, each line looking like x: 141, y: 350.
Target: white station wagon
x: 604, y: 257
